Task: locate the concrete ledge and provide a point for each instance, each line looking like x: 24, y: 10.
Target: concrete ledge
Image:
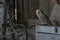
x: 47, y: 33
x: 47, y: 29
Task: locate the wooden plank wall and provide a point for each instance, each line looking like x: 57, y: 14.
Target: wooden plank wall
x: 28, y: 8
x: 20, y: 11
x: 33, y: 5
x: 45, y: 5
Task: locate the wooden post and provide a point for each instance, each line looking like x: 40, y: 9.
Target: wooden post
x: 4, y: 21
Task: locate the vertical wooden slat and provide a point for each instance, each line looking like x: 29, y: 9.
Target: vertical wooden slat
x: 4, y: 21
x: 36, y: 6
x: 26, y: 9
x: 31, y: 9
x: 33, y: 5
x: 20, y: 11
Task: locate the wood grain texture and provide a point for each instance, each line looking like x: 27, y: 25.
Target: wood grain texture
x: 33, y: 5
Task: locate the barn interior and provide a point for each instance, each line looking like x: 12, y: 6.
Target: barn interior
x: 29, y: 20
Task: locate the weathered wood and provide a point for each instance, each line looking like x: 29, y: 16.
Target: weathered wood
x: 33, y: 5
x: 20, y: 11
x: 26, y: 9
x: 46, y: 6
